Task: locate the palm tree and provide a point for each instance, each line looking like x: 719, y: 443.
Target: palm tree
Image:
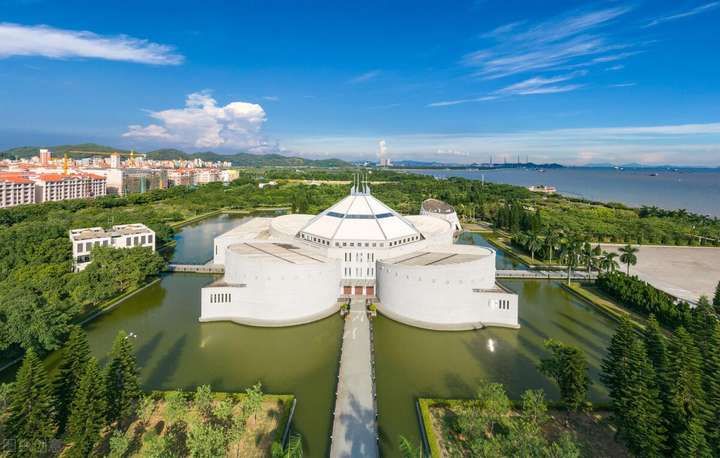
x: 550, y: 245
x: 533, y: 244
x: 628, y: 256
x: 569, y: 253
x: 608, y: 262
x: 587, y: 256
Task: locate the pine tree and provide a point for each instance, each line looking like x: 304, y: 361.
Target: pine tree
x: 686, y: 403
x: 716, y: 298
x: 75, y: 357
x: 87, y: 413
x: 615, y: 364
x: 122, y: 386
x: 712, y: 389
x: 569, y: 368
x: 691, y: 442
x: 30, y: 422
x: 701, y: 325
x: 639, y: 420
x: 656, y: 347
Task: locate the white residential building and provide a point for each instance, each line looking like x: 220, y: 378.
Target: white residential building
x: 51, y: 187
x: 120, y: 236
x: 16, y: 190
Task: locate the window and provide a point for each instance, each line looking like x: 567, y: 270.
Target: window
x: 150, y: 238
x: 344, y: 244
x: 352, y: 243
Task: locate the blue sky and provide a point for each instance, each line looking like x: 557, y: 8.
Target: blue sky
x: 573, y: 82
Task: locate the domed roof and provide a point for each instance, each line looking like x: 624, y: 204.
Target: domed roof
x: 360, y: 216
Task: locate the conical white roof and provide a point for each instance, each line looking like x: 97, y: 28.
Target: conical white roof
x: 360, y: 216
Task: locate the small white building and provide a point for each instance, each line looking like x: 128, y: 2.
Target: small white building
x: 120, y: 236
x: 292, y: 269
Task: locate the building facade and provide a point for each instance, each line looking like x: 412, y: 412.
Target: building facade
x: 50, y: 187
x: 293, y: 268
x: 119, y: 236
x: 16, y: 190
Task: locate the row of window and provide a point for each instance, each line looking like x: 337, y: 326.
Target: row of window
x: 129, y: 241
x: 220, y: 298
x: 369, y: 272
x: 359, y: 256
x: 504, y: 304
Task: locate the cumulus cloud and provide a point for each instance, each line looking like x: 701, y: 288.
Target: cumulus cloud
x: 204, y: 124
x: 41, y: 40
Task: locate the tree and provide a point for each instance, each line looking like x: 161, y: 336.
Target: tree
x: 206, y: 441
x: 254, y: 399
x: 203, y: 400
x: 716, y: 299
x: 31, y: 421
x: 293, y: 450
x: 712, y: 388
x: 569, y: 367
x: 628, y: 256
x: 569, y: 253
x: 656, y: 348
x: 119, y: 444
x: 639, y: 421
x: 122, y: 385
x: 533, y: 244
x: 615, y: 364
x: 75, y: 357
x: 608, y: 262
x: 551, y: 242
x: 87, y: 414
x: 410, y: 450
x: 175, y: 406
x: 687, y: 399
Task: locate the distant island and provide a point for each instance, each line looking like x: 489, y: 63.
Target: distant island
x: 240, y: 159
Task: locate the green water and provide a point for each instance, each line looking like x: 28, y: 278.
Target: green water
x: 175, y: 351
x: 502, y: 260
x: 194, y: 242
x: 413, y: 363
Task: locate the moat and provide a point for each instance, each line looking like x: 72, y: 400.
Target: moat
x: 176, y: 351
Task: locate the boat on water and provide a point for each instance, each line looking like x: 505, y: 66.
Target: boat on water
x: 541, y: 188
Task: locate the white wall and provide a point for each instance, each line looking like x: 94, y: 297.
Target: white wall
x: 276, y: 293
x: 446, y: 296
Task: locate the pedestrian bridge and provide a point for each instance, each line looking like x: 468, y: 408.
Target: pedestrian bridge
x: 355, y: 432
x: 196, y: 268
x: 578, y: 275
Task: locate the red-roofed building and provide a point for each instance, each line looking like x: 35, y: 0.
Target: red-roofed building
x: 16, y: 189
x: 55, y: 186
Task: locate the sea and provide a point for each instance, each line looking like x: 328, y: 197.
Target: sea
x: 695, y: 190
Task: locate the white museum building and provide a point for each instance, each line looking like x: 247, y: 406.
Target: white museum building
x: 293, y: 269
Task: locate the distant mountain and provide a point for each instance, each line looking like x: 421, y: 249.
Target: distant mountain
x: 26, y: 152
x: 247, y: 159
x: 237, y: 159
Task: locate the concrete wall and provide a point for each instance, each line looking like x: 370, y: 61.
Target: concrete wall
x: 271, y: 292
x: 446, y: 296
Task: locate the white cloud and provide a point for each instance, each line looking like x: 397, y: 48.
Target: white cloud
x: 623, y: 85
x: 21, y: 40
x: 615, y: 68
x: 532, y: 86
x: 672, y: 17
x: 365, y: 77
x: 689, y: 144
x: 565, y: 41
x: 271, y: 98
x: 204, y: 124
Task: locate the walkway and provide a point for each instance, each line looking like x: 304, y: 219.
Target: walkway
x: 545, y: 274
x: 197, y: 268
x: 354, y: 431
